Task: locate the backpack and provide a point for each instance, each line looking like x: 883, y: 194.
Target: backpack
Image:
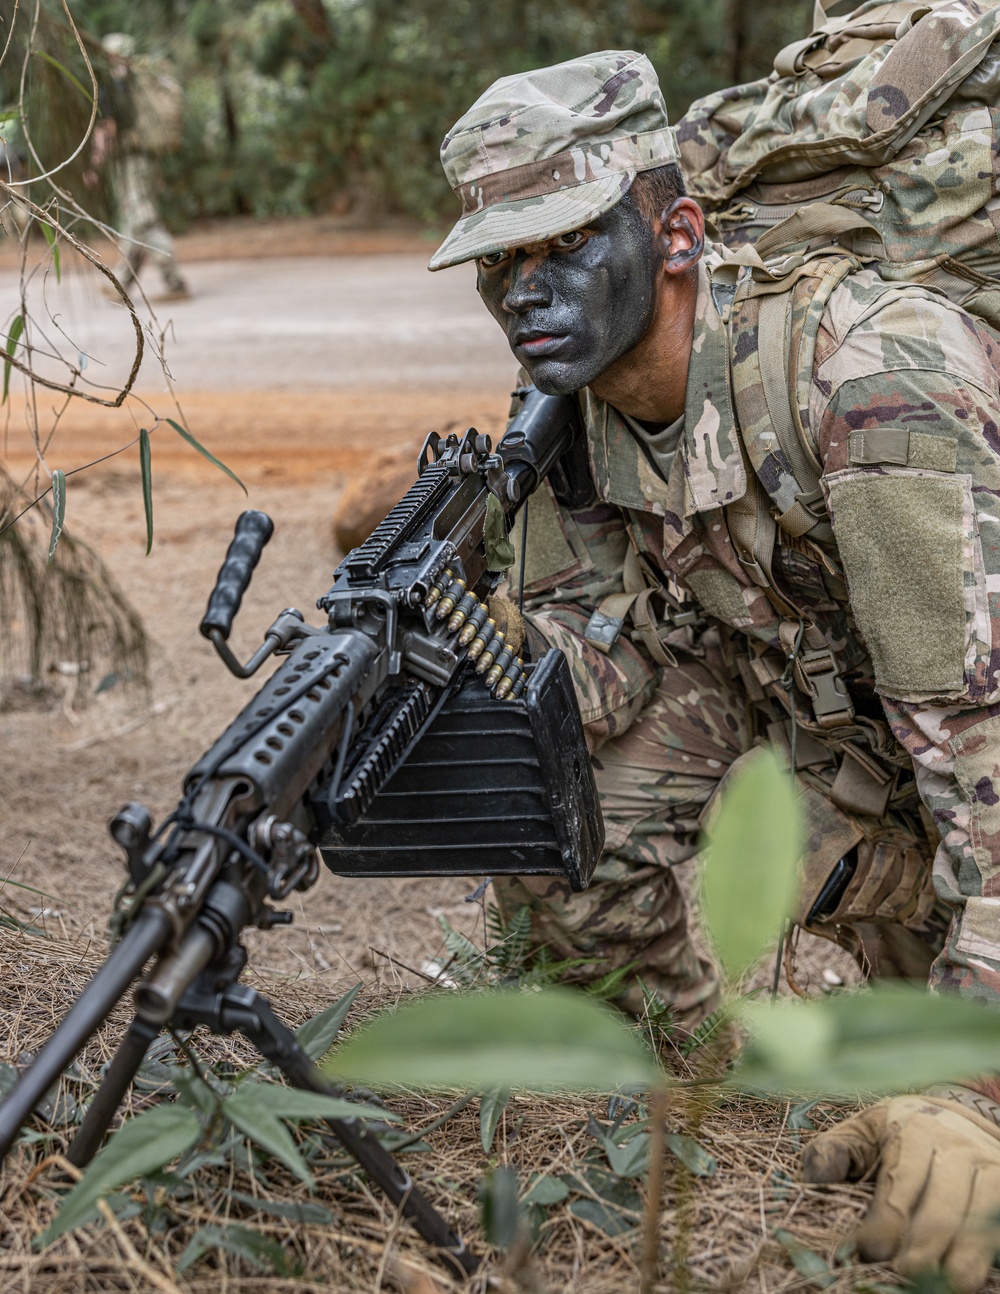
x: 158, y: 104
x: 888, y: 112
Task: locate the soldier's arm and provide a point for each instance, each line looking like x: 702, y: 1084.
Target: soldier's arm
x: 572, y: 560
x: 907, y: 414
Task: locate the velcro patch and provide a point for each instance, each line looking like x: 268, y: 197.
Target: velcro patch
x: 719, y: 594
x: 901, y: 539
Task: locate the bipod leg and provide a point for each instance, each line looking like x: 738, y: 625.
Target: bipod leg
x: 242, y: 1009
x: 109, y: 1096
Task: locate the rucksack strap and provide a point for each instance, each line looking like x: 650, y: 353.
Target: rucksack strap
x: 769, y: 379
x: 807, y: 511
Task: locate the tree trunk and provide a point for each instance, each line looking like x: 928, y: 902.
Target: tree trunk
x: 313, y: 14
x: 738, y: 41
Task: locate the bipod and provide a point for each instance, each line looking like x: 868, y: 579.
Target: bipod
x: 237, y: 1008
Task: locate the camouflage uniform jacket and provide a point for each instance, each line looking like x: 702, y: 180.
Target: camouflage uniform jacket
x: 903, y: 415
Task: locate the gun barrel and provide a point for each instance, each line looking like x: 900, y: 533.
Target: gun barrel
x: 147, y: 933
x: 156, y: 999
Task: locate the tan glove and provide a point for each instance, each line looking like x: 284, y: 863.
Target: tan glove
x: 937, y: 1197
x: 507, y: 618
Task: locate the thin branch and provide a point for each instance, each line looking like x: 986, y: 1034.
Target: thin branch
x: 140, y: 342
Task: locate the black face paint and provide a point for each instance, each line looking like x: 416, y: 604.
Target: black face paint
x: 571, y: 311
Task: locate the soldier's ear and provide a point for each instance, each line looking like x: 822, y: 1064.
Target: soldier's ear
x: 680, y: 235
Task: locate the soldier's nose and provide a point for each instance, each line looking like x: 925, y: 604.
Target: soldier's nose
x: 526, y: 288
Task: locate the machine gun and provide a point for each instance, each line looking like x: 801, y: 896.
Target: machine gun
x: 402, y: 737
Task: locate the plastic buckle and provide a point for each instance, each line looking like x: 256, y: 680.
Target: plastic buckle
x: 821, y: 679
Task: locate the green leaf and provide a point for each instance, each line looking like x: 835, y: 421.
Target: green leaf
x: 58, y: 511
x: 491, y: 1107
x: 16, y: 329
x: 605, y: 1217
x: 293, y: 1103
x: 546, y: 1190
x: 608, y: 1186
x: 893, y: 1038
x: 294, y: 1210
x: 317, y: 1035
x: 805, y: 1260
x: 258, y: 1108
x: 190, y: 1087
x: 630, y: 1159
x: 186, y: 435
x: 554, y: 1038
x: 798, y: 1116
x: 146, y: 471
x: 692, y: 1155
x: 73, y: 80
x: 929, y: 1282
x: 499, y: 1206
x: 751, y: 869
x: 257, y: 1249
x: 140, y: 1146
x: 49, y: 235
x: 265, y: 1129
x: 8, y: 1077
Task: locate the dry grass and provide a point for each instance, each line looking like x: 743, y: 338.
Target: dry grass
x: 716, y: 1233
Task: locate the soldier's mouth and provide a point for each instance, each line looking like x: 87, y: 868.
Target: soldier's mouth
x: 539, y: 343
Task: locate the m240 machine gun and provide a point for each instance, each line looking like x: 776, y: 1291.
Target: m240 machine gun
x: 402, y: 737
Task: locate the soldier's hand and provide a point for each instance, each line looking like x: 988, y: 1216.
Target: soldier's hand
x: 937, y: 1195
x: 508, y: 620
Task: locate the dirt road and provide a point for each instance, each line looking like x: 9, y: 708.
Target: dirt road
x: 291, y: 370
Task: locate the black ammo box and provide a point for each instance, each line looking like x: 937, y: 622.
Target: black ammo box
x: 492, y: 788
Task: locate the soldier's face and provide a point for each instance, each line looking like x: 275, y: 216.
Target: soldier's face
x: 573, y: 305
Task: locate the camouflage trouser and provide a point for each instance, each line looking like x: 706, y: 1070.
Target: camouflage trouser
x: 655, y: 781
x: 142, y: 230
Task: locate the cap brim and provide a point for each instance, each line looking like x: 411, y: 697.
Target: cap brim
x: 529, y: 220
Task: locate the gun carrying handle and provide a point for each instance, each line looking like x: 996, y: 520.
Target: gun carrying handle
x: 253, y: 530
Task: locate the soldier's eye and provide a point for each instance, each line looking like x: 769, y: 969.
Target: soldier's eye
x: 492, y: 258
x: 573, y: 239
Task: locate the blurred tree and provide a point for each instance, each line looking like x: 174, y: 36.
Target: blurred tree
x: 313, y: 105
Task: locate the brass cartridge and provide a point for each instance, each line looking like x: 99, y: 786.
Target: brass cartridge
x: 485, y: 635
x: 462, y: 612
x: 447, y: 604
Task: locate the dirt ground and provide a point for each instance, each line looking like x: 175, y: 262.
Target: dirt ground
x: 295, y: 429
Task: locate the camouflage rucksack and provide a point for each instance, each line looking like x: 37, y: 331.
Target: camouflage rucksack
x: 158, y: 103
x: 889, y: 111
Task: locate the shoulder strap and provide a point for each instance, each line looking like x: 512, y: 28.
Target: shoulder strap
x: 773, y: 328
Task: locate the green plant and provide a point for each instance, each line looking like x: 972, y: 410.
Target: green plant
x: 882, y: 1040
x: 208, y: 1118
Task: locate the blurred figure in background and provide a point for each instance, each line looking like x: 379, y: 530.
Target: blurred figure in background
x: 141, y: 115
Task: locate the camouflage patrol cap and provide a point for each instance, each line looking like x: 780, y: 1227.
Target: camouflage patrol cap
x: 544, y: 152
